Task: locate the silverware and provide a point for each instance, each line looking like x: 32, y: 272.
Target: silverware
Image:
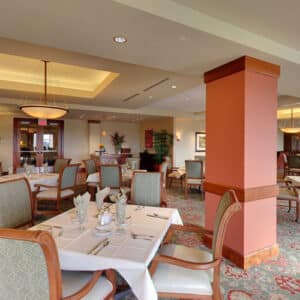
x: 139, y: 207
x: 96, y: 246
x: 141, y: 237
x: 154, y: 215
x: 106, y: 243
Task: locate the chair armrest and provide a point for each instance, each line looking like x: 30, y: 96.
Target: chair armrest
x: 182, y: 263
x: 86, y: 288
x: 186, y: 228
x: 38, y: 185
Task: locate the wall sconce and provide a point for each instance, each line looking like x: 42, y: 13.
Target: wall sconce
x: 178, y: 136
x: 103, y: 133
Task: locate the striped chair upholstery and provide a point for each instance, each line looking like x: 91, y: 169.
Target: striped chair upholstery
x: 60, y: 163
x: 194, y: 174
x: 29, y: 269
x: 90, y: 166
x: 110, y: 176
x: 15, y: 204
x: 146, y: 188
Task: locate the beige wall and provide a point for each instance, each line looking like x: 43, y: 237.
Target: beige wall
x: 128, y: 129
x: 6, y: 141
x: 156, y: 125
x: 185, y: 148
x: 76, y: 140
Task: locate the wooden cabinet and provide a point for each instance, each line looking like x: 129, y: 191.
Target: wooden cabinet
x: 35, y: 144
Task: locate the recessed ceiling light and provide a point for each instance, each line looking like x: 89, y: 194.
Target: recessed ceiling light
x: 173, y: 86
x: 150, y: 97
x: 120, y: 39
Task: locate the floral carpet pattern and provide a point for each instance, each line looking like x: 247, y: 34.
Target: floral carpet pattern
x: 277, y: 279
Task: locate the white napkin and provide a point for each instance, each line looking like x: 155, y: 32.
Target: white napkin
x: 101, y: 195
x: 82, y: 201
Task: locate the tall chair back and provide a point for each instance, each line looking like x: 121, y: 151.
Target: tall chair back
x: 163, y: 169
x: 146, y: 188
x: 61, y: 163
x: 30, y: 266
x: 227, y: 207
x: 67, y: 178
x: 194, y: 169
x: 90, y: 166
x: 15, y: 203
x: 110, y: 176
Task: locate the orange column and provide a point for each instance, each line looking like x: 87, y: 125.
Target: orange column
x: 241, y: 127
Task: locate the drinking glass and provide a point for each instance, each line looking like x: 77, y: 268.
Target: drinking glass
x: 121, y: 211
x: 81, y: 215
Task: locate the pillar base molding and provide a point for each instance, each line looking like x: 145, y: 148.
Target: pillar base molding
x: 248, y: 261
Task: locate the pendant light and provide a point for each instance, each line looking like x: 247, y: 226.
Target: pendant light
x: 44, y: 111
x: 292, y: 128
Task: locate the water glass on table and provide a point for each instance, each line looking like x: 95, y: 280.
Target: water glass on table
x: 121, y: 210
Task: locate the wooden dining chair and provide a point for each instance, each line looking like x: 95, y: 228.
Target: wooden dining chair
x: 64, y: 190
x: 192, y: 273
x: 91, y: 168
x: 290, y: 193
x: 60, y: 163
x: 147, y: 189
x: 194, y: 175
x: 30, y: 269
x: 16, y: 206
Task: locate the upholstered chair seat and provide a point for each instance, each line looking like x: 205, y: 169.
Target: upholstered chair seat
x: 51, y: 193
x: 73, y: 281
x: 173, y: 279
x: 93, y: 184
x: 287, y: 194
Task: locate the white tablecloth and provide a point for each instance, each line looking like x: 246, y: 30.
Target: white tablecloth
x: 130, y: 257
x: 41, y: 178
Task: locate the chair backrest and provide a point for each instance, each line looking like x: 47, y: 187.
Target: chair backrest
x: 194, y: 168
x: 227, y: 207
x: 15, y: 203
x: 110, y: 176
x: 67, y: 177
x: 61, y: 163
x: 146, y: 188
x: 90, y: 166
x: 29, y: 265
x: 163, y: 169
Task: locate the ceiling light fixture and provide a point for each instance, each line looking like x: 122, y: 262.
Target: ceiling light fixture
x: 120, y: 39
x: 173, y: 86
x: 292, y: 128
x: 44, y: 111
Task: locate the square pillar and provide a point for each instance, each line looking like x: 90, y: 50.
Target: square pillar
x: 241, y: 127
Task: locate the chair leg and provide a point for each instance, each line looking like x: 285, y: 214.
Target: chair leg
x: 186, y: 186
x: 290, y: 205
x: 297, y: 211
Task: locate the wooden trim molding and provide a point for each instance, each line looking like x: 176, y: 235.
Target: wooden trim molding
x: 249, y: 260
x: 243, y: 63
x: 243, y: 194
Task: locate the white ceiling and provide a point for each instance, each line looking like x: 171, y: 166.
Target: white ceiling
x: 177, y: 39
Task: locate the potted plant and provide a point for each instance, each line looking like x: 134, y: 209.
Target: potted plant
x: 162, y: 143
x: 117, y: 141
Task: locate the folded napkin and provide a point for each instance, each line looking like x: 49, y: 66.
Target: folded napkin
x: 82, y: 201
x: 101, y: 195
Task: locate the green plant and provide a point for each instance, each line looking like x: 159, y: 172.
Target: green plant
x: 162, y: 142
x: 117, y: 139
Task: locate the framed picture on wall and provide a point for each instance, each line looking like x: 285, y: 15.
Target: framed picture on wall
x: 200, y: 141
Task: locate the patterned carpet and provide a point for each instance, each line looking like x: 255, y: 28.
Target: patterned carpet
x: 278, y: 279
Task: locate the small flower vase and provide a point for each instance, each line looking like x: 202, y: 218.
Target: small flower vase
x: 118, y: 149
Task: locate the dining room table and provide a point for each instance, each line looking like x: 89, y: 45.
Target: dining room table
x: 128, y: 249
x: 50, y: 179
x: 295, y: 180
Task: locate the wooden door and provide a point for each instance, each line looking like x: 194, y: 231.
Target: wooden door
x: 34, y: 144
